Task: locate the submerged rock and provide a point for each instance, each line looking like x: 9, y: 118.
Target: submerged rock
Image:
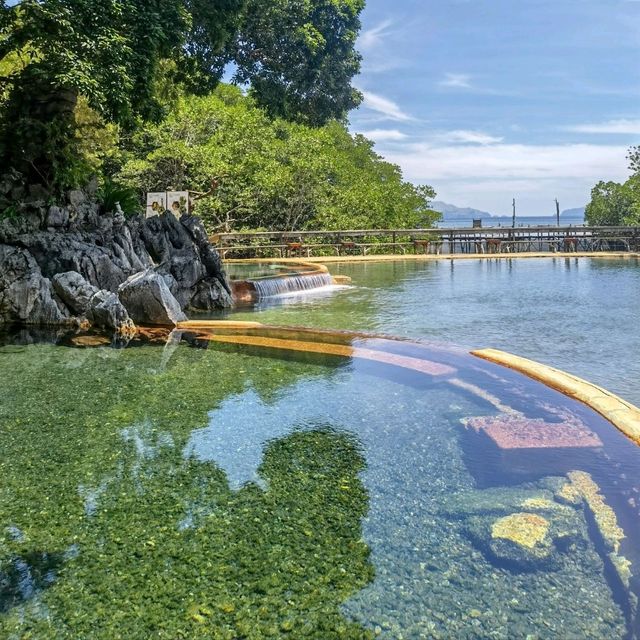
x: 605, y: 518
x: 522, y: 529
x: 527, y: 530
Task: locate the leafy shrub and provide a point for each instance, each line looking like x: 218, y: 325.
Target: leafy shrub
x: 112, y: 194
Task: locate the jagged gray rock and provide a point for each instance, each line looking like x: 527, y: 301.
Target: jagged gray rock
x: 102, y: 308
x: 148, y: 300
x: 105, y: 310
x: 26, y: 297
x: 74, y: 291
x: 42, y: 249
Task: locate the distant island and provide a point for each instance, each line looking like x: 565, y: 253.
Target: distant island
x: 451, y: 213
x: 578, y: 212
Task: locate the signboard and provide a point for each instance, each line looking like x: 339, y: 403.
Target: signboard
x: 175, y: 201
x: 156, y: 204
x: 178, y: 202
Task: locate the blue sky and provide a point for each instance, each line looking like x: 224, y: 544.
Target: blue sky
x: 487, y: 100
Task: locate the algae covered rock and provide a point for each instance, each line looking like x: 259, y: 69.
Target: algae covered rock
x: 522, y: 538
x: 525, y: 529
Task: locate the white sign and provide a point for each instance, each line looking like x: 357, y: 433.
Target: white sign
x: 175, y: 201
x: 156, y: 204
x: 178, y: 202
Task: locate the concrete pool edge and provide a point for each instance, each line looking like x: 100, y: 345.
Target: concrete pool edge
x: 622, y: 414
x: 324, y: 260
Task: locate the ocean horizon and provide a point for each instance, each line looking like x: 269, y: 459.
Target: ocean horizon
x: 507, y: 221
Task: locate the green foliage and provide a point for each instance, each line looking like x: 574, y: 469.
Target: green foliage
x: 613, y: 203
x: 634, y: 160
x: 113, y: 194
x: 299, y: 57
x: 272, y: 173
x: 131, y: 59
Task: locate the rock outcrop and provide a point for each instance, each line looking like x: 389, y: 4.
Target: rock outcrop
x: 68, y: 265
x: 148, y: 300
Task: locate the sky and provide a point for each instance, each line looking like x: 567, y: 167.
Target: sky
x: 487, y: 100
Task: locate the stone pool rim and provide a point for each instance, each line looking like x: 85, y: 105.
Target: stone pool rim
x: 317, y: 261
x: 624, y: 415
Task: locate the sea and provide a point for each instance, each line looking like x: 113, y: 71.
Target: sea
x: 507, y: 221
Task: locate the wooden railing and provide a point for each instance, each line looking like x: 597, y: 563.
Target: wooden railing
x: 448, y: 241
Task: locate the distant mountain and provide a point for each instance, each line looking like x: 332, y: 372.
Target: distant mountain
x: 451, y: 212
x: 574, y: 213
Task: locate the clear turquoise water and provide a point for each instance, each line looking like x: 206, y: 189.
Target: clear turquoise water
x: 577, y: 314
x: 195, y: 490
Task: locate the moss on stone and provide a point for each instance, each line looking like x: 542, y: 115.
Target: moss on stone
x: 525, y: 529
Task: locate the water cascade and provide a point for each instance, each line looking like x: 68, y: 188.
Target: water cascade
x: 269, y: 287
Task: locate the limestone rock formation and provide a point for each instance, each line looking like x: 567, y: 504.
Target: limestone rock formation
x: 62, y: 264
x: 100, y: 307
x: 26, y: 296
x: 148, y: 300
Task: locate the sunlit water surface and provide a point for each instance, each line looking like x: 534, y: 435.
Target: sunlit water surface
x: 577, y: 314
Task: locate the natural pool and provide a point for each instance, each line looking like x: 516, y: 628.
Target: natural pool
x: 578, y: 314
x: 213, y: 485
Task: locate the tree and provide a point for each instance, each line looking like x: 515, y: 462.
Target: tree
x: 124, y: 56
x: 272, y: 173
x: 634, y: 160
x: 613, y: 204
x: 105, y: 50
x: 299, y: 57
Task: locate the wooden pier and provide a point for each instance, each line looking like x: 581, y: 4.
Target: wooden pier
x: 490, y: 240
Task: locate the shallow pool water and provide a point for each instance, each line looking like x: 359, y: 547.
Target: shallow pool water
x: 579, y: 314
x: 220, y: 486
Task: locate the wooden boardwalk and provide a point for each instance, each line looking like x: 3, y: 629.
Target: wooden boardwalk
x: 450, y: 242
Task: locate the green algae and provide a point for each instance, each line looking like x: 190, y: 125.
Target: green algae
x: 156, y: 544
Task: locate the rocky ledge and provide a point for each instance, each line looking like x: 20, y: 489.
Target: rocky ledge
x: 76, y: 266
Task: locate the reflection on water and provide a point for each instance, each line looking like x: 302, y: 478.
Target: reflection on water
x: 576, y: 314
x: 213, y: 492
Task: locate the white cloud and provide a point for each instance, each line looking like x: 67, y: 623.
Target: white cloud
x: 488, y: 176
x: 384, y: 106
x: 423, y: 160
x: 456, y: 81
x: 372, y: 38
x: 624, y: 127
x: 384, y: 135
x: 469, y: 137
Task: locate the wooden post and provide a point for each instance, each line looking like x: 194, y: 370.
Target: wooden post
x: 558, y: 211
x: 514, y: 213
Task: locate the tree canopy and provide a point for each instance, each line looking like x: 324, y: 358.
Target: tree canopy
x: 271, y: 173
x: 615, y: 204
x: 298, y: 58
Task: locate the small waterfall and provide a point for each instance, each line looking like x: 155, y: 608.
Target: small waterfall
x: 269, y: 287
